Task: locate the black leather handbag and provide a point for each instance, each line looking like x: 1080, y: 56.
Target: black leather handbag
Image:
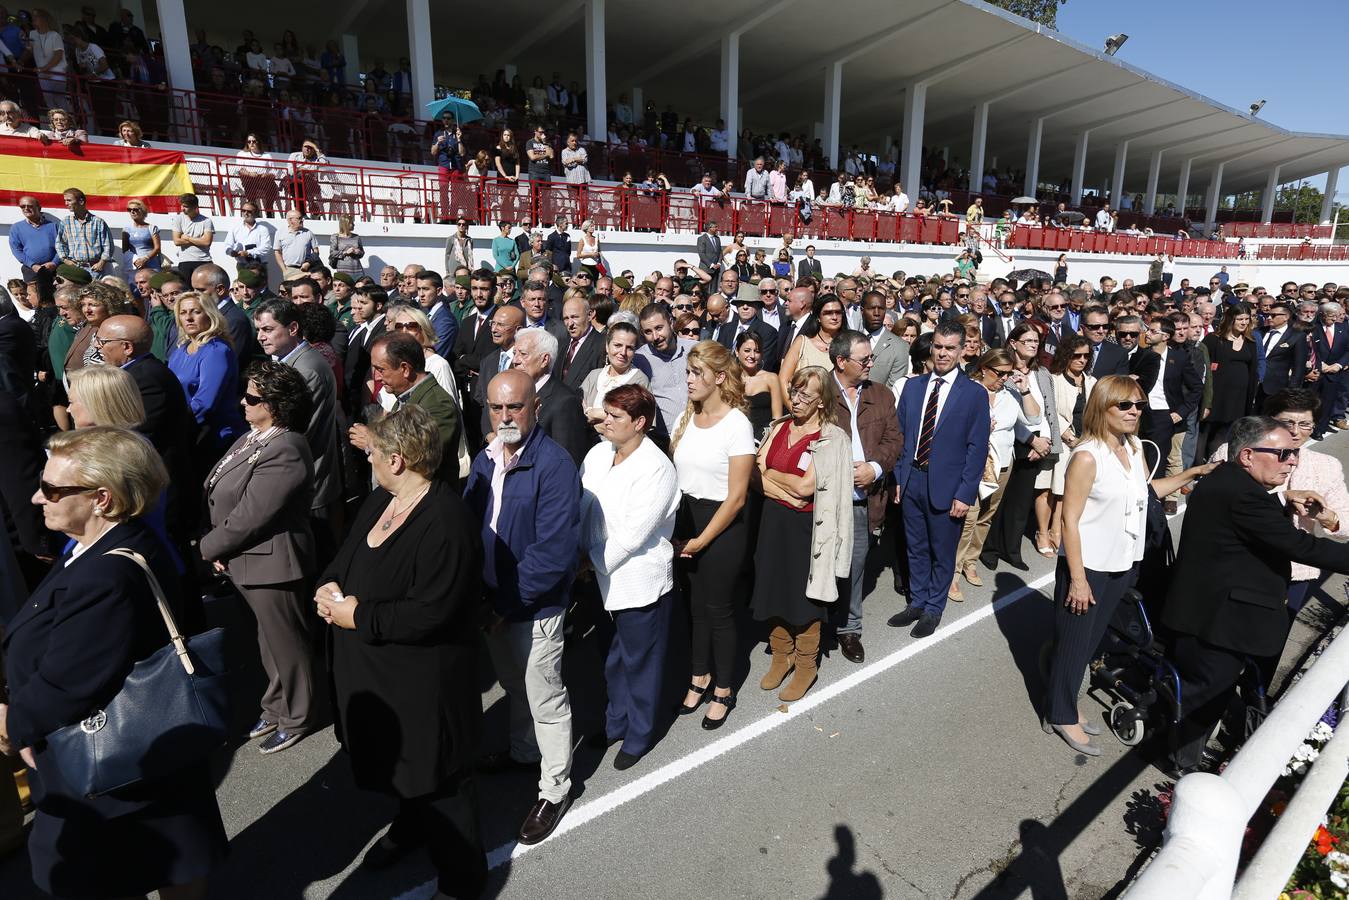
x: 172, y: 711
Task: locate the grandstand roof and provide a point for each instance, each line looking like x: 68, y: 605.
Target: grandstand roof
x: 969, y: 52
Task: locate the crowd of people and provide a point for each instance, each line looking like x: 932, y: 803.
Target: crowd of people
x: 396, y: 470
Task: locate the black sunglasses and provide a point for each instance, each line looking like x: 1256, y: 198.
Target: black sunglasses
x: 1284, y: 454
x: 1126, y: 405
x: 689, y: 332
x: 252, y: 399
x: 55, y: 492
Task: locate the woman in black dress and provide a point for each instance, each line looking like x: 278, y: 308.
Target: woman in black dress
x: 1232, y: 369
x: 762, y: 389
x: 68, y: 652
x: 403, y: 598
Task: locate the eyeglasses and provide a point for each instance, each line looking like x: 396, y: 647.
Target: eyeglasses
x: 801, y: 394
x: 962, y: 296
x: 252, y: 399
x: 768, y: 290
x: 1081, y: 354
x: 1126, y: 405
x: 865, y: 361
x: 1056, y: 306
x: 100, y: 341
x: 1000, y: 374
x: 406, y: 326
x: 1283, y: 453
x: 1127, y: 334
x: 1101, y: 327
x: 689, y: 332
x: 1296, y: 426
x: 56, y: 492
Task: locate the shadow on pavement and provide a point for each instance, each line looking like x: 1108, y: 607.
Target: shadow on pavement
x: 844, y: 882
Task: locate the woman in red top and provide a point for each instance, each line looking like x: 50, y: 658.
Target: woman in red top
x: 787, y: 479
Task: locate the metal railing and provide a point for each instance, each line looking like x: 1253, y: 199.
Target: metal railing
x: 1209, y: 813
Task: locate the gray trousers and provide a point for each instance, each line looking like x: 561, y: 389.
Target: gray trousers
x: 283, y: 615
x: 528, y: 661
x: 850, y: 622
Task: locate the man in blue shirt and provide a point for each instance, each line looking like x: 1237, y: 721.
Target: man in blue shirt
x: 83, y: 239
x: 33, y: 243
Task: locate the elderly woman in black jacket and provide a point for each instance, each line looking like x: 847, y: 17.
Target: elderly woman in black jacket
x: 67, y: 654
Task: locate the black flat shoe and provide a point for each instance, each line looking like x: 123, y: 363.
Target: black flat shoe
x: 1018, y: 563
x: 701, y: 692
x: 384, y: 853
x: 729, y: 702
x: 625, y: 760
x: 908, y: 616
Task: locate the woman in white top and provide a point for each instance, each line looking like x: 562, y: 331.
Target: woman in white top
x: 1014, y: 413
x: 1072, y: 392
x: 413, y: 321
x: 1105, y: 511
x: 588, y: 250
x: 621, y: 340
x: 257, y: 179
x: 629, y: 497
x: 713, y: 448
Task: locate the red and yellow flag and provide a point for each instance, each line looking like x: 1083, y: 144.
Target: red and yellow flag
x: 108, y: 175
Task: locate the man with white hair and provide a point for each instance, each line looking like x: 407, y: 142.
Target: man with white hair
x: 560, y: 414
x: 1330, y: 342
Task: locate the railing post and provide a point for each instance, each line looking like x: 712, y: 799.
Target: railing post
x: 1203, y: 841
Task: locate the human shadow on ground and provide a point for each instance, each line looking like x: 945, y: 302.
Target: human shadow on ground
x: 846, y: 882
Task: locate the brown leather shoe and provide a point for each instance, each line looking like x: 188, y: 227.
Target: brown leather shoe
x: 541, y: 821
x: 851, y: 647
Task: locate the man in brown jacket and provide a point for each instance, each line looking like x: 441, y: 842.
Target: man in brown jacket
x: 866, y: 412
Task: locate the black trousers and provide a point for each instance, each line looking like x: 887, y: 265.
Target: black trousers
x: 1008, y: 528
x: 1076, y: 637
x: 447, y: 823
x: 1158, y: 428
x: 1208, y: 675
x: 709, y: 581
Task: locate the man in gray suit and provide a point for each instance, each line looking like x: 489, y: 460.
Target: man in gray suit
x: 278, y: 323
x: 709, y: 249
x: 891, y: 352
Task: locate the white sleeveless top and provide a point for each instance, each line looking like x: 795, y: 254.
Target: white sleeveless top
x: 1113, y: 526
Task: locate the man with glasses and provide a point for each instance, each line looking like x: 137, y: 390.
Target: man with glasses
x: 865, y: 412
x: 1144, y: 364
x: 1106, y: 358
x: 1053, y: 314
x: 771, y: 314
x: 32, y: 240
x: 747, y: 306
x: 249, y: 240
x: 459, y: 248
x: 1226, y: 601
x: 1286, y: 350
x: 852, y: 306
x: 12, y: 124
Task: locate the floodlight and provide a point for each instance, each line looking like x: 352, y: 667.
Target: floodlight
x: 1114, y: 42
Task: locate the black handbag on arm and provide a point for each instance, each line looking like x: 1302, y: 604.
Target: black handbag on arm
x: 172, y: 711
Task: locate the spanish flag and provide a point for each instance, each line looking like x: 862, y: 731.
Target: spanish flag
x: 108, y: 175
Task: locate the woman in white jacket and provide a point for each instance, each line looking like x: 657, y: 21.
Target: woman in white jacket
x: 629, y: 497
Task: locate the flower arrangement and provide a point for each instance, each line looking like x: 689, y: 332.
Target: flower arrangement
x: 1323, y: 871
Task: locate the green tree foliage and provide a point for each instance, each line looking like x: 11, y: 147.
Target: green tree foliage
x: 1046, y: 12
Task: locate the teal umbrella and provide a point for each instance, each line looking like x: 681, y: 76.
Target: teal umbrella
x: 464, y: 111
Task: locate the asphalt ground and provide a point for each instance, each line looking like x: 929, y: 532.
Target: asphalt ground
x: 922, y: 772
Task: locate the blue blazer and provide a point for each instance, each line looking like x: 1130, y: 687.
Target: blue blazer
x: 446, y: 326
x: 959, y: 445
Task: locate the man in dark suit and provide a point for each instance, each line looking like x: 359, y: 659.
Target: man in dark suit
x: 809, y: 266
x: 1144, y: 365
x: 435, y: 304
x: 18, y: 351
x: 1330, y: 343
x: 746, y: 318
x: 1229, y: 584
x: 506, y: 324
x: 560, y: 414
x: 1174, y: 395
x: 1286, y: 350
x: 799, y: 301
x: 1052, y: 311
x: 473, y: 342
x: 709, y: 249
x: 369, y: 303
x: 558, y: 246
x: 584, y: 350
x: 1106, y: 358
x: 944, y: 420
x: 210, y: 280
x: 534, y: 301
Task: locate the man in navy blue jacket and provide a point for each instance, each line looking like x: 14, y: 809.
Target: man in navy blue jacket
x: 525, y: 490
x: 944, y: 419
x: 433, y: 303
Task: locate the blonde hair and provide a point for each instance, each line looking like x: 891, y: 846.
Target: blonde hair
x: 117, y: 460
x: 411, y: 433
x: 427, y: 337
x: 712, y: 355
x: 345, y: 223
x: 113, y: 301
x: 216, y: 326
x: 1108, y: 391
x: 135, y: 131
x: 825, y: 385
x: 110, y: 395
x: 138, y: 204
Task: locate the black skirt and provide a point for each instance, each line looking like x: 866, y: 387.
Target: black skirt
x: 782, y: 567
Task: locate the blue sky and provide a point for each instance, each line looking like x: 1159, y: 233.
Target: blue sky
x: 1235, y: 52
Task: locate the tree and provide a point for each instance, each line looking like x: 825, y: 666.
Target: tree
x: 1046, y: 12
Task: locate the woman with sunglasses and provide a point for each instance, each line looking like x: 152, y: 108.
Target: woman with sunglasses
x: 258, y: 497
x: 762, y: 389
x: 811, y: 348
x: 140, y: 240
x: 1296, y: 409
x: 1014, y: 412
x: 257, y: 178
x: 1232, y: 371
x: 1105, y: 511
x: 1072, y: 390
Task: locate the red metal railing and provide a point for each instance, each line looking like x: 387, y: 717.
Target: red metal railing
x: 1275, y: 230
x: 1304, y: 251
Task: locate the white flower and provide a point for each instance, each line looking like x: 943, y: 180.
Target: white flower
x: 1337, y: 860
x: 1321, y: 732
x: 1339, y: 879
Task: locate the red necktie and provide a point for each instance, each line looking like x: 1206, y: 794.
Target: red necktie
x: 929, y: 425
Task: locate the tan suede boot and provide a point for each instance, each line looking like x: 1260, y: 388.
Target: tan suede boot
x: 807, y: 652
x: 780, y: 642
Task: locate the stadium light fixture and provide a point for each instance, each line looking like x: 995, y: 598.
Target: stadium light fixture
x: 1114, y: 42
x: 1257, y: 106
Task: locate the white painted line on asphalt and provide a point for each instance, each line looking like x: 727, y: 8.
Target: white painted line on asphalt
x: 584, y: 814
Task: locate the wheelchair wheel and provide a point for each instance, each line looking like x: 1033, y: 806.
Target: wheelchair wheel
x: 1127, y: 726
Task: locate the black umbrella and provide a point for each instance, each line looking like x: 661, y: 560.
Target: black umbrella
x: 1071, y: 217
x: 1027, y: 274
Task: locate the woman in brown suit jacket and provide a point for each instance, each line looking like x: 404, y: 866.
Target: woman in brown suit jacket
x: 258, y: 497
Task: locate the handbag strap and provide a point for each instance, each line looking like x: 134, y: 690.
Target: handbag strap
x: 179, y: 645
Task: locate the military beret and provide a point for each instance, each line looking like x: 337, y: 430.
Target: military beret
x: 463, y: 280
x: 623, y: 283
x: 163, y: 278
x: 344, y: 278
x: 648, y: 285
x: 73, y: 274
x: 248, y: 278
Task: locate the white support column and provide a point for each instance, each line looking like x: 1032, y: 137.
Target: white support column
x: 1328, y: 201
x: 1267, y: 198
x: 1183, y: 188
x: 1215, y: 190
x: 1117, y: 181
x: 1154, y: 175
x: 1079, y: 168
x: 730, y: 90
x: 597, y: 101
x: 173, y: 32
x: 833, y: 96
x: 419, y: 54
x: 351, y: 49
x: 911, y: 155
x: 977, y: 147
x: 1037, y: 130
